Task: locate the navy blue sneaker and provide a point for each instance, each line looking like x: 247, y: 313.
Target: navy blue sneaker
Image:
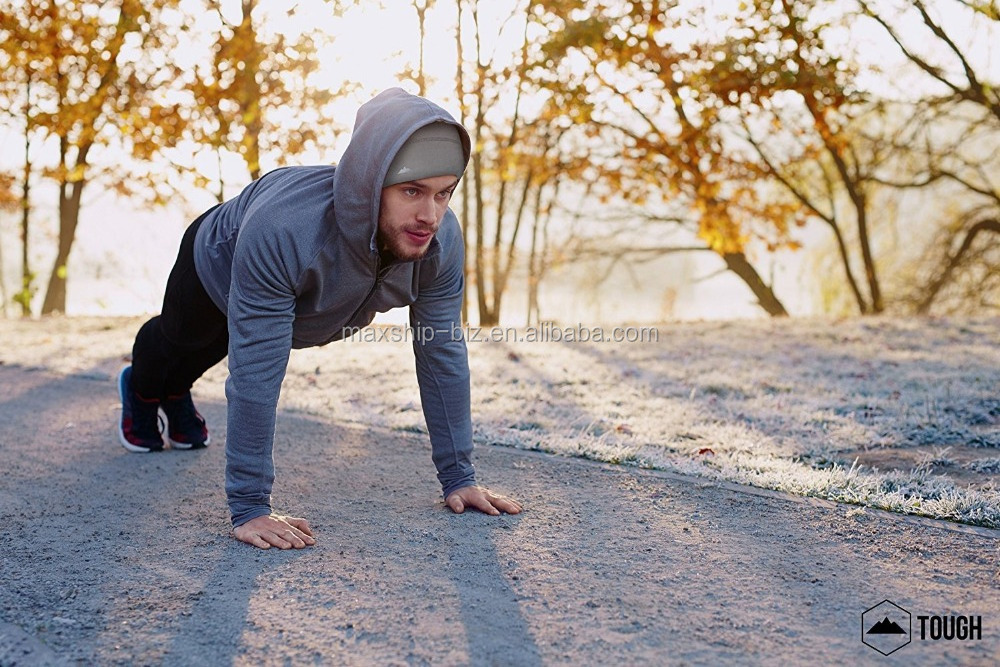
x: 139, y: 428
x: 185, y: 426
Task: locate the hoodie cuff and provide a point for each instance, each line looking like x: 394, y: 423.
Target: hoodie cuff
x: 453, y: 482
x: 241, y: 517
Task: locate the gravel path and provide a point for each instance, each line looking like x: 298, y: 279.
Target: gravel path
x: 113, y: 558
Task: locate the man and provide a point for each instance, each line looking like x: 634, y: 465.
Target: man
x: 302, y: 256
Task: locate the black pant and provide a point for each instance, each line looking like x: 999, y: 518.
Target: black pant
x: 189, y: 336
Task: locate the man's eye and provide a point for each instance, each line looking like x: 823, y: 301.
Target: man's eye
x: 411, y: 192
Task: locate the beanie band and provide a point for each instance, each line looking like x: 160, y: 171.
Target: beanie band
x: 433, y: 150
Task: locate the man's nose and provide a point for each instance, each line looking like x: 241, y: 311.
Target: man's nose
x: 427, y: 212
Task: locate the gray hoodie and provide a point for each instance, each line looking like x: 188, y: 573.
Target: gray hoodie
x: 293, y: 261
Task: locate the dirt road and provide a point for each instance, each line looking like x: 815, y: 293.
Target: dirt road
x: 114, y: 558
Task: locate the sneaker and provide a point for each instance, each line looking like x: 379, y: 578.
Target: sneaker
x: 185, y: 426
x: 139, y: 428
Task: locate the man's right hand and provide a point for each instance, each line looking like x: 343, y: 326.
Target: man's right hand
x: 284, y: 532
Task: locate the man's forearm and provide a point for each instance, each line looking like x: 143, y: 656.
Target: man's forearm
x: 249, y: 458
x: 260, y: 340
x: 443, y: 377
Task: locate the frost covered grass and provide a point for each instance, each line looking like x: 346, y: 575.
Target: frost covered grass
x: 896, y: 414
x: 987, y: 466
x: 885, y: 413
x: 879, y: 413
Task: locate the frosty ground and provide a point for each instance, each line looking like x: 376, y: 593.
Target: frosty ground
x: 648, y: 552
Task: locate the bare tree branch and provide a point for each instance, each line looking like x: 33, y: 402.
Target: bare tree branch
x: 954, y: 261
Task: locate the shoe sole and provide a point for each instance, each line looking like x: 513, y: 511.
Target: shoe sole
x: 121, y: 434
x: 187, y: 445
x: 183, y: 445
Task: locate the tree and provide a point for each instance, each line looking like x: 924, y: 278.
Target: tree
x: 960, y: 77
x: 615, y: 71
x: 98, y: 73
x: 955, y: 142
x: 975, y: 259
x: 552, y: 168
x: 27, y: 291
x: 460, y: 87
x: 8, y: 201
x: 512, y: 159
x: 419, y: 74
x: 810, y: 126
x: 16, y: 98
x: 256, y: 95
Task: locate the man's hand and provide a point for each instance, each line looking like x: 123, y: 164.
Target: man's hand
x: 481, y: 499
x: 284, y: 532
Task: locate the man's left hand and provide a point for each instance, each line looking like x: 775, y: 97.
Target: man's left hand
x: 484, y: 500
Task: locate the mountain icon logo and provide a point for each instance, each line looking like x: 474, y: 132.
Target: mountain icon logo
x: 886, y: 627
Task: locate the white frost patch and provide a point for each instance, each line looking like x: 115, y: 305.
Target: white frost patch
x: 787, y: 405
x: 783, y: 405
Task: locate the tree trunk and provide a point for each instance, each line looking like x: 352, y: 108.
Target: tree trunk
x: 249, y: 93
x: 24, y: 294
x: 852, y: 183
x: 543, y: 265
x: 766, y: 299
x: 421, y: 10
x: 533, y: 268
x: 69, y: 218
x: 460, y: 93
x: 871, y: 274
x: 504, y: 277
x: 220, y: 195
x: 486, y: 315
x: 70, y: 195
x: 848, y: 273
x: 503, y: 261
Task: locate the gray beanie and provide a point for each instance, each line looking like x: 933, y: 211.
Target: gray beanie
x: 433, y: 150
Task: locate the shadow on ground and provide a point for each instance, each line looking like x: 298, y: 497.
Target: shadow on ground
x: 115, y: 558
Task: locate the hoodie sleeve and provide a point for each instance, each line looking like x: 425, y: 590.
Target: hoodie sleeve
x: 261, y: 313
x: 443, y: 370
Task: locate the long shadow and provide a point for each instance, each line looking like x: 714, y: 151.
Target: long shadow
x: 569, y: 411
x: 496, y: 630
x: 138, y: 568
x: 95, y: 570
x: 765, y: 542
x: 126, y: 559
x: 681, y: 573
x: 879, y: 385
x: 214, y: 617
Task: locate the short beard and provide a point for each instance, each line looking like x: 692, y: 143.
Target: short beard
x: 393, y: 246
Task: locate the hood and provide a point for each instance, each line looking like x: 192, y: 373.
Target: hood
x: 382, y: 126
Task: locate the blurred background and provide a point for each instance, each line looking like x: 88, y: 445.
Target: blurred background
x: 634, y: 161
